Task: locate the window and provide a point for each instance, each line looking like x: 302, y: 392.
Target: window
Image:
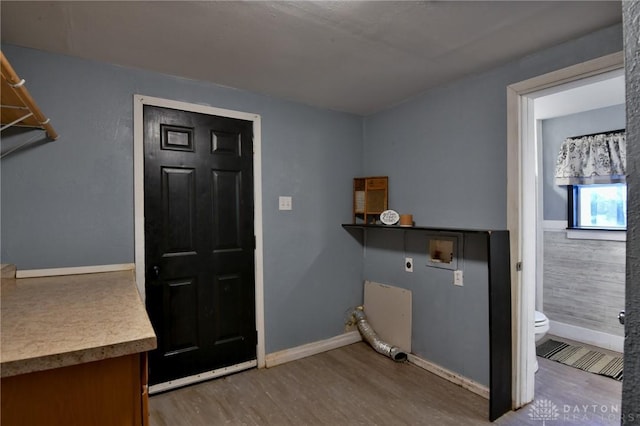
x: 598, y: 206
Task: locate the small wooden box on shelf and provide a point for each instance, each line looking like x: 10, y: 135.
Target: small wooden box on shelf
x: 370, y: 198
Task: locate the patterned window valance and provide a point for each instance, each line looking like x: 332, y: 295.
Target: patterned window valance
x: 598, y: 158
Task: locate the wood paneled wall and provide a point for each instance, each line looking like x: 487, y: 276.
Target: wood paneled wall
x: 584, y: 282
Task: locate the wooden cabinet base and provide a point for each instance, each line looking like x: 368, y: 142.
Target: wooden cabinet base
x: 108, y: 392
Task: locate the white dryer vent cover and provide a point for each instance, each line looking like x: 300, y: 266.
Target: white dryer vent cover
x: 388, y: 310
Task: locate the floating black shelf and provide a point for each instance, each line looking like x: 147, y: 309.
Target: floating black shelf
x: 499, y: 276
x: 419, y: 228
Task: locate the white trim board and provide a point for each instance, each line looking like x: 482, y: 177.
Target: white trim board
x: 8, y: 271
x: 523, y: 203
x: 588, y: 234
x: 138, y: 177
x: 585, y: 335
x: 55, y: 272
x: 583, y: 234
x: 450, y: 376
x: 196, y: 378
x: 314, y: 348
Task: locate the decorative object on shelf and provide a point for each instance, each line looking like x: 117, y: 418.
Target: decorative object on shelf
x: 406, y: 220
x: 389, y: 217
x: 370, y: 198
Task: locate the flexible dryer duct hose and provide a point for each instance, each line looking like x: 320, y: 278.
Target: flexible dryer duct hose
x: 372, y: 338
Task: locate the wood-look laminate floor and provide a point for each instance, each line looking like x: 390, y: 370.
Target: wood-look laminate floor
x: 354, y: 385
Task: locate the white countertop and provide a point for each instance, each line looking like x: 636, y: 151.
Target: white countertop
x: 59, y: 321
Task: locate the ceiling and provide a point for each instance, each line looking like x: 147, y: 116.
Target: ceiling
x: 599, y: 91
x: 352, y: 56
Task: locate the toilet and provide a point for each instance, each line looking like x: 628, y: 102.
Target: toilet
x: 541, y: 325
x: 541, y: 328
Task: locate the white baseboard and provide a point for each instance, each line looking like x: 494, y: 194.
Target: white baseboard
x: 314, y: 348
x: 54, y: 272
x: 8, y: 271
x: 449, y: 375
x: 584, y: 335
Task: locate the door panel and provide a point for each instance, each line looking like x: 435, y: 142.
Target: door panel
x: 224, y: 143
x: 179, y: 211
x: 226, y: 186
x: 181, y: 334
x: 230, y: 295
x: 199, y: 241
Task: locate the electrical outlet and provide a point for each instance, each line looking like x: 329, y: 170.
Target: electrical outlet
x: 408, y: 264
x: 457, y: 278
x: 284, y: 203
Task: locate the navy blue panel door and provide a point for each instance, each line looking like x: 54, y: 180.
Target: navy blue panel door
x: 199, y: 241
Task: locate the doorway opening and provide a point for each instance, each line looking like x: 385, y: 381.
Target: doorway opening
x: 525, y: 205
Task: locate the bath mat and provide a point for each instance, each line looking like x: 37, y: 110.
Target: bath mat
x: 582, y: 358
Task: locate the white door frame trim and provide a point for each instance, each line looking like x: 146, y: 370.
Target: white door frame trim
x: 522, y: 203
x: 138, y: 170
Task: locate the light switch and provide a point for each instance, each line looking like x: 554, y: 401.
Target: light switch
x: 284, y: 203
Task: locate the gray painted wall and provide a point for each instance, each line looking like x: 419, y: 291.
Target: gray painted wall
x: 631, y: 384
x: 450, y: 324
x: 554, y: 132
x: 70, y: 202
x: 445, y: 154
x: 445, y: 151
